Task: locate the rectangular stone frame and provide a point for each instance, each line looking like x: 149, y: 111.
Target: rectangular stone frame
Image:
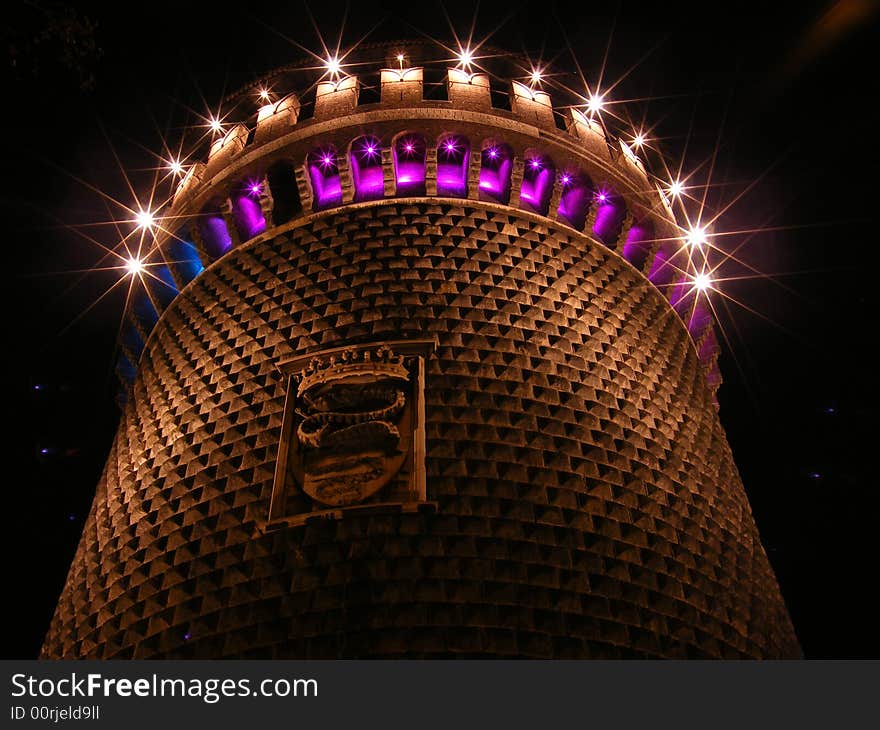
x: 421, y: 349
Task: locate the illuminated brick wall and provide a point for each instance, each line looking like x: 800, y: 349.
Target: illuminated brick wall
x: 586, y: 503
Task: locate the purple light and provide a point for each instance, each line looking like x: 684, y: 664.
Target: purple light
x: 815, y: 475
x: 638, y: 244
x: 256, y: 189
x: 700, y: 319
x: 248, y: 215
x: 495, y: 173
x: 215, y: 233
x: 678, y: 294
x: 369, y: 149
x: 709, y: 346
x: 324, y: 176
x: 71, y: 517
x: 452, y: 167
x: 44, y: 451
x: 38, y: 387
x: 661, y: 269
x: 409, y: 165
x: 537, y: 184
x: 609, y: 218
x: 187, y: 636
x: 366, y: 170
x: 575, y: 199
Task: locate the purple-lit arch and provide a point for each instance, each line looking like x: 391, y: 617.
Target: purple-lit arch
x: 701, y: 317
x: 610, y: 214
x: 663, y: 270
x: 681, y: 296
x: 576, y: 198
x: 323, y: 169
x: 213, y: 230
x: 365, y: 160
x: 539, y: 174
x: 453, y: 154
x: 409, y: 151
x: 639, y: 242
x: 708, y: 346
x: 496, y: 161
x: 246, y: 210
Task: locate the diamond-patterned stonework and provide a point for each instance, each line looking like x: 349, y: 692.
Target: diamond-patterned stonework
x: 587, y: 503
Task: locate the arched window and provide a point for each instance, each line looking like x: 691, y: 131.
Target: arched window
x: 610, y: 212
x: 700, y: 318
x: 577, y: 196
x: 143, y: 310
x: 131, y: 339
x: 213, y: 230
x: 409, y: 164
x: 495, y: 163
x: 161, y: 285
x: 366, y: 168
x: 678, y: 296
x: 539, y: 173
x: 662, y: 269
x: 324, y: 175
x: 246, y: 210
x: 286, y: 203
x: 125, y: 371
x: 453, y: 153
x: 638, y: 243
x: 183, y: 257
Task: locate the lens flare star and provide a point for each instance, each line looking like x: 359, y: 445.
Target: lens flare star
x: 702, y: 282
x: 134, y: 266
x: 144, y: 219
x: 595, y: 104
x: 333, y: 66
x: 696, y: 236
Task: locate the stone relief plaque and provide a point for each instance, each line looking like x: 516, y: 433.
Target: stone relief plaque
x: 353, y: 431
x: 354, y: 411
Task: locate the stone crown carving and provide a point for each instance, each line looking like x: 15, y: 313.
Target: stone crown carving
x: 382, y: 363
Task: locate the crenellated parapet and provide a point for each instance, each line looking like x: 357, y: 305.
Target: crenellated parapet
x: 284, y: 164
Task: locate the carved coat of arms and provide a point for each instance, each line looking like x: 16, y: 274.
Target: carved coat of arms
x: 353, y: 432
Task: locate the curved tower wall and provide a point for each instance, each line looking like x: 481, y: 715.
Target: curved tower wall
x: 566, y: 489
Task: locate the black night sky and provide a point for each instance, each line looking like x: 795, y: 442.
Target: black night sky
x: 792, y: 87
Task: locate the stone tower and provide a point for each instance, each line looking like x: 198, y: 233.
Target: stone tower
x: 420, y: 372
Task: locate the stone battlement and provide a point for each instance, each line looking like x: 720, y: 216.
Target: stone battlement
x: 282, y: 165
